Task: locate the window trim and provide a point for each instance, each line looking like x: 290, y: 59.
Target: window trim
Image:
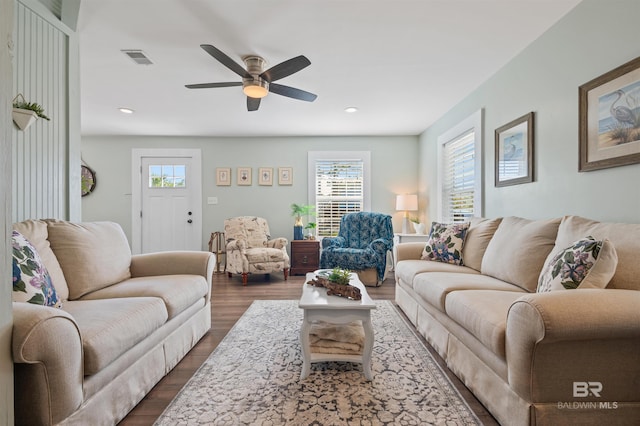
x: 471, y: 123
x: 364, y: 156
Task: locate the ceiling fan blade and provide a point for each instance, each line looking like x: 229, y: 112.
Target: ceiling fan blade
x: 292, y: 92
x: 253, y: 104
x: 285, y: 68
x: 226, y: 61
x: 211, y: 85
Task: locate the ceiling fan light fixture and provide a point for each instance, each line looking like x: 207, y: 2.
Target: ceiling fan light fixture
x: 256, y: 88
x: 256, y: 82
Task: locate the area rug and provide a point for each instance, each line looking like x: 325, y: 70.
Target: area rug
x: 252, y: 378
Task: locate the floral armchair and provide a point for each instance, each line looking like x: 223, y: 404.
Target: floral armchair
x: 250, y: 249
x: 363, y: 241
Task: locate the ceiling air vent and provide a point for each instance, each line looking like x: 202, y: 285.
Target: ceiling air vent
x: 138, y: 56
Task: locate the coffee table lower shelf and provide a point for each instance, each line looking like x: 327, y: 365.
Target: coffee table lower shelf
x: 318, y: 306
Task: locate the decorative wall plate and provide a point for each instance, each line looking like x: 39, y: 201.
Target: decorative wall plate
x: 88, y: 180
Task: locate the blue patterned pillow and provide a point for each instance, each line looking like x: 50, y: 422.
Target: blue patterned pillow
x: 445, y: 242
x: 31, y: 280
x: 587, y: 263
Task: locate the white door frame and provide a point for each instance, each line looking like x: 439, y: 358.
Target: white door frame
x: 136, y: 187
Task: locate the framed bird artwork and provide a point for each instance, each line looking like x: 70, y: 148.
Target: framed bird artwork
x: 514, y: 152
x: 609, y: 109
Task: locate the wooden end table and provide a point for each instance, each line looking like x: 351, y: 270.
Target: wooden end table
x: 318, y: 306
x: 305, y: 256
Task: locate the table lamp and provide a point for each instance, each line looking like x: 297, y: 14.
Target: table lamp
x: 406, y: 203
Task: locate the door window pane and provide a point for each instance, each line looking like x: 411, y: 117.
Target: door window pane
x: 167, y: 176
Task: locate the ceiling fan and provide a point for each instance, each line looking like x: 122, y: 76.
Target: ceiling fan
x: 256, y: 82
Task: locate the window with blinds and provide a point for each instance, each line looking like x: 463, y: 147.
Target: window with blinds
x: 460, y: 170
x: 458, y: 191
x: 339, y: 189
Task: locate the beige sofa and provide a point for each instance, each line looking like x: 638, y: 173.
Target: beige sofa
x: 556, y: 358
x: 125, y: 322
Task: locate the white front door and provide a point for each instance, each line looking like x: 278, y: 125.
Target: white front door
x: 170, y: 211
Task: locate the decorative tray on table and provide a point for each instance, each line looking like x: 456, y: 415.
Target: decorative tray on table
x: 336, y: 281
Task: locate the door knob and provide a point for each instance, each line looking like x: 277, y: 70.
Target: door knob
x: 189, y: 221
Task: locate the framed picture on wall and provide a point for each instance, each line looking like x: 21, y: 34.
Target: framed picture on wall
x: 609, y: 110
x: 265, y: 176
x: 223, y: 176
x: 514, y: 152
x: 244, y: 176
x: 285, y: 175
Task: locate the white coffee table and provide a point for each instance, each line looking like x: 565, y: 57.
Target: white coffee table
x: 318, y: 306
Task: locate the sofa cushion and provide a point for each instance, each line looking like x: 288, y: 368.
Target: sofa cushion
x: 93, y: 255
x: 110, y: 327
x: 518, y: 250
x: 445, y: 242
x: 36, y: 232
x: 434, y: 287
x: 587, y: 263
x: 178, y: 292
x: 624, y: 237
x: 31, y: 280
x: 406, y: 270
x: 478, y: 237
x: 483, y: 313
x: 264, y: 255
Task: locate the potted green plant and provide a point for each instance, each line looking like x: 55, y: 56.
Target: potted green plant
x: 419, y: 227
x: 25, y: 113
x: 311, y: 233
x: 339, y: 276
x: 299, y: 210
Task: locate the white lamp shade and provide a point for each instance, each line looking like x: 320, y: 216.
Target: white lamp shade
x: 407, y: 202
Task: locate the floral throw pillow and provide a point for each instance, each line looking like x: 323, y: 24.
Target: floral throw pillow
x: 445, y: 242
x: 587, y: 263
x: 31, y: 280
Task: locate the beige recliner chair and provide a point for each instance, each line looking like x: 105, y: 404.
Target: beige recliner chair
x: 250, y: 249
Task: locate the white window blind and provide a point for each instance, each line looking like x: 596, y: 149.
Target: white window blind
x: 339, y: 189
x: 459, y: 178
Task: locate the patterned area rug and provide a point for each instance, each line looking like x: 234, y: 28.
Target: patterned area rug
x: 252, y: 378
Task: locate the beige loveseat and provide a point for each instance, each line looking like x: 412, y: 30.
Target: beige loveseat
x: 125, y: 322
x: 564, y: 357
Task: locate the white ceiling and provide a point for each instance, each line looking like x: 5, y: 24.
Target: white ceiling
x: 403, y: 63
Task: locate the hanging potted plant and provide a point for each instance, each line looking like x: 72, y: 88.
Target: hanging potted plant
x: 25, y: 113
x: 298, y: 210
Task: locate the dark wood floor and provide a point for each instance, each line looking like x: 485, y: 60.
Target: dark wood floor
x: 229, y: 300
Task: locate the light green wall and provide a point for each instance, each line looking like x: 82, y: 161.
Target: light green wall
x: 46, y: 159
x: 6, y: 125
x: 394, y: 168
x: 592, y: 39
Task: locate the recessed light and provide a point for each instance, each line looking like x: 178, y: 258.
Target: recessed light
x: 126, y: 110
x: 350, y: 109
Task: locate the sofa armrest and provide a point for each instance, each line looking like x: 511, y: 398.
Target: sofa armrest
x: 336, y: 242
x: 381, y: 245
x: 173, y: 263
x: 278, y: 243
x: 556, y: 339
x: 48, y: 358
x: 409, y: 251
x: 236, y: 245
